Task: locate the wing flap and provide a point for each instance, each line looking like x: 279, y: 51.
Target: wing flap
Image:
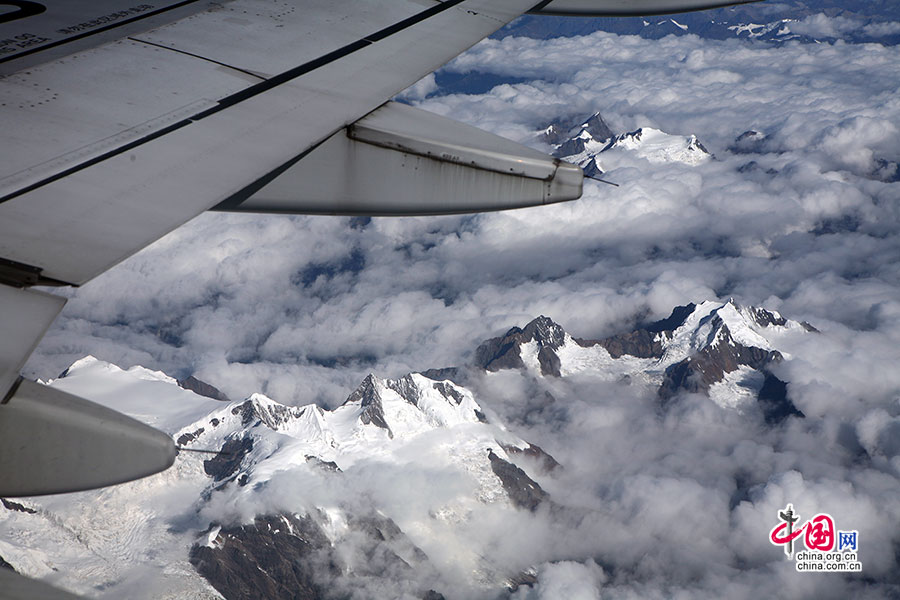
x: 401, y: 160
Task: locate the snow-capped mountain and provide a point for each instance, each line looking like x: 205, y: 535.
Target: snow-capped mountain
x: 723, y: 350
x: 593, y: 146
x: 412, y: 425
x: 298, y: 501
x: 659, y: 147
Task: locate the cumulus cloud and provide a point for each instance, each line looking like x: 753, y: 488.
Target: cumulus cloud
x: 674, y: 504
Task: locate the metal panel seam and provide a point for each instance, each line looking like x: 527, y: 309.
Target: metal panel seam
x: 250, y: 92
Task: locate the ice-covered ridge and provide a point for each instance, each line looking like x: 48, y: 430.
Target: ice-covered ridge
x: 658, y: 146
x: 150, y: 396
x: 756, y: 30
x: 378, y: 418
x: 596, y: 152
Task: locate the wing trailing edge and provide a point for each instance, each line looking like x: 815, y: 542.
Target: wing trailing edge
x: 400, y: 160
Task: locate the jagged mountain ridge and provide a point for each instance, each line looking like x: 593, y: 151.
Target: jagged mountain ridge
x: 592, y: 145
x: 410, y: 423
x: 713, y: 348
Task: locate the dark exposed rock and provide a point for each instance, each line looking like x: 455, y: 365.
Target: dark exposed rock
x: 328, y: 465
x: 226, y: 463
x: 383, y: 543
x: 278, y: 557
x: 368, y: 398
x: 186, y: 438
x: 570, y: 147
x: 749, y: 142
x: 674, y: 321
x: 545, y: 332
x: 454, y: 374
x: 766, y: 318
x: 522, y: 490
x: 433, y: 595
x: 643, y: 342
x: 10, y: 505
x: 504, y: 352
x: 547, y: 463
x: 774, y: 401
x: 556, y: 133
x: 272, y: 416
x: 698, y: 145
x: 549, y: 361
x: 500, y: 353
x: 202, y: 388
x: 448, y: 391
x: 640, y: 343
x: 406, y: 388
x: 247, y: 410
x: 567, y: 134
x: 592, y: 168
x: 635, y: 135
x: 597, y: 127
x: 288, y: 556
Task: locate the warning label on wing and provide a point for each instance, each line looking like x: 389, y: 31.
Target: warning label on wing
x: 28, y: 27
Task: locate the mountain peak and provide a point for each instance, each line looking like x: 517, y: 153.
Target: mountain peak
x: 505, y: 352
x: 658, y: 146
x: 584, y: 145
x: 368, y: 396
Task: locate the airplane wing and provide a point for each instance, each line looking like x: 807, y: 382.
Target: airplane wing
x: 110, y: 146
x: 123, y: 120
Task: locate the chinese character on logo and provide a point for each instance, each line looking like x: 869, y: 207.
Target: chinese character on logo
x: 787, y: 515
x: 847, y: 540
x: 819, y: 531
